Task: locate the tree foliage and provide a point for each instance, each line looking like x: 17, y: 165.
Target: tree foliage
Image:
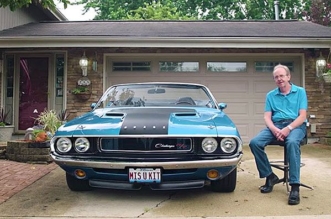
x: 196, y: 9
x: 16, y: 4
x: 157, y: 11
x: 319, y: 12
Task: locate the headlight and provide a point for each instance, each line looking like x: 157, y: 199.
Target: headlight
x: 228, y: 145
x: 64, y: 145
x: 82, y: 145
x: 209, y: 145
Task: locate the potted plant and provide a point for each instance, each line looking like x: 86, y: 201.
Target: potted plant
x: 36, y: 145
x: 327, y: 74
x: 327, y: 71
x: 82, y: 92
x: 63, y: 116
x: 6, y: 130
x: 48, y: 122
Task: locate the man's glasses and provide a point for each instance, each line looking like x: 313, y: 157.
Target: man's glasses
x: 280, y: 77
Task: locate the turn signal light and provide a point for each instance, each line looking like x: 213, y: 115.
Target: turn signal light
x: 213, y: 174
x: 80, y: 173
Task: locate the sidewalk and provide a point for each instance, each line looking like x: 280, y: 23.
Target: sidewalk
x: 15, y: 176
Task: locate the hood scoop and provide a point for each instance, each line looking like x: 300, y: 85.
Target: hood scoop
x: 114, y: 115
x: 183, y: 114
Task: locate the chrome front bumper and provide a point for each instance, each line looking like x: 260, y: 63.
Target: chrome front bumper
x: 165, y: 165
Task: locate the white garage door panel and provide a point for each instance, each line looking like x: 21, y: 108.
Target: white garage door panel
x: 258, y: 108
x: 258, y: 127
x: 230, y: 98
x: 121, y: 79
x: 262, y: 88
x: 237, y: 109
x: 229, y: 86
x: 244, y: 93
x: 243, y: 127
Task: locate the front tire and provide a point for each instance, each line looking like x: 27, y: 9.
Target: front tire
x: 227, y: 184
x: 75, y: 184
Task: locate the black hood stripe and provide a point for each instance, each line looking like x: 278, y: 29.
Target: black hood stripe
x: 151, y: 121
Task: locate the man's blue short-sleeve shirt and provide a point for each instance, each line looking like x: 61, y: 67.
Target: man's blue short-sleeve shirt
x: 286, y: 106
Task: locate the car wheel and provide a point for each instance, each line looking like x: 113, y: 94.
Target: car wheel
x: 227, y: 184
x: 75, y: 184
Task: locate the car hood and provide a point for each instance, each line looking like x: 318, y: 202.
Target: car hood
x: 150, y: 121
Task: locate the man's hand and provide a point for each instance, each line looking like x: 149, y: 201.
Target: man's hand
x: 281, y: 134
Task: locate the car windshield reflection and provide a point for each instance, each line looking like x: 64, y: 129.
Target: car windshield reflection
x: 145, y: 95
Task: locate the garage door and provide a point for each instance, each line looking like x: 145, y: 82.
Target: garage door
x: 244, y: 90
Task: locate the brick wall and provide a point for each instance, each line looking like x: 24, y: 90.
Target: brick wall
x: 318, y: 93
x: 23, y: 152
x: 74, y: 71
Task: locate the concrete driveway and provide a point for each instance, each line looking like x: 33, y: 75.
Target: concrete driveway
x: 49, y: 197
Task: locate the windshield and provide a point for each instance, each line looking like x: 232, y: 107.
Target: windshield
x: 144, y: 95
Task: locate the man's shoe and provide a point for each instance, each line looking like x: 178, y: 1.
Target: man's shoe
x: 294, y: 198
x: 269, y: 184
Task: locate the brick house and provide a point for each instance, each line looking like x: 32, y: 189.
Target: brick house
x: 40, y: 63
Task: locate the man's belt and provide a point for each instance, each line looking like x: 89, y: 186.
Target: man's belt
x: 285, y: 121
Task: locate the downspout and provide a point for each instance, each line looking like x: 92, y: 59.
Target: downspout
x: 276, y: 3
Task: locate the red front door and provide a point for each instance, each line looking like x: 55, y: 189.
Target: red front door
x: 33, y: 90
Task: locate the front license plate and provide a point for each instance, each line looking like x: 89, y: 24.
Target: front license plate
x: 145, y: 175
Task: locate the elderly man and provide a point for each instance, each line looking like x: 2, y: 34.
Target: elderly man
x: 284, y: 116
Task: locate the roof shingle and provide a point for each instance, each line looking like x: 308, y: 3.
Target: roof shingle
x: 271, y: 28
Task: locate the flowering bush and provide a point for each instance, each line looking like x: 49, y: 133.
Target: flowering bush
x: 327, y: 72
x: 328, y: 69
x: 40, y: 136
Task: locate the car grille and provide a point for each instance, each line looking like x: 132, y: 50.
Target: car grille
x: 146, y: 144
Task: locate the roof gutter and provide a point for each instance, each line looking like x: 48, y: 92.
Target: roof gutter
x: 58, y: 15
x: 180, y: 42
x: 54, y: 14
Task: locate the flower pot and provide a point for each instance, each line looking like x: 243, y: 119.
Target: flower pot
x: 6, y: 133
x: 83, y: 96
x: 327, y: 78
x: 28, y: 152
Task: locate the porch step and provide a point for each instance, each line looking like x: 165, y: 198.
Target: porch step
x: 3, y: 146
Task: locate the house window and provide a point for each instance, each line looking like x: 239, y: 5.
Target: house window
x: 166, y: 66
x: 131, y: 66
x: 269, y: 66
x: 59, y: 75
x: 9, y: 85
x: 227, y: 66
x: 10, y: 76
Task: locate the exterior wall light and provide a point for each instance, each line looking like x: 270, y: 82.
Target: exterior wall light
x: 95, y: 63
x: 320, y: 65
x: 83, y: 62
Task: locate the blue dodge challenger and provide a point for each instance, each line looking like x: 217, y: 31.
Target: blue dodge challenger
x: 163, y: 135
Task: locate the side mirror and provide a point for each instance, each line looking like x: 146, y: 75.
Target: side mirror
x: 222, y: 106
x: 93, y: 105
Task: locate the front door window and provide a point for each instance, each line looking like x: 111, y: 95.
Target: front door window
x: 33, y: 90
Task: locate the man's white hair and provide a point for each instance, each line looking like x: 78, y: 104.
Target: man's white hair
x: 283, y: 67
